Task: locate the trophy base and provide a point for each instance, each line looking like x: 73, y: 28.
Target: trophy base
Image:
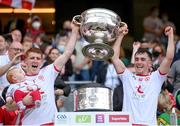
x: 98, y: 51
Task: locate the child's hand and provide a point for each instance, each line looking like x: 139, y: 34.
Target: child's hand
x: 9, y: 100
x: 29, y: 88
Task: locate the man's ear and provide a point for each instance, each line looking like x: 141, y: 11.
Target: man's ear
x: 150, y: 63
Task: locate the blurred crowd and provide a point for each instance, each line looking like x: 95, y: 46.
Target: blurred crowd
x: 16, y: 40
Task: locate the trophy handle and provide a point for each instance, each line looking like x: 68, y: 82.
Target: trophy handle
x: 77, y: 19
x: 122, y: 24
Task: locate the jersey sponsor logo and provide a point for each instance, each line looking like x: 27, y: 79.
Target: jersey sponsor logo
x: 99, y: 118
x: 41, y: 77
x: 139, y: 89
x: 83, y: 118
x: 118, y: 118
x: 138, y: 96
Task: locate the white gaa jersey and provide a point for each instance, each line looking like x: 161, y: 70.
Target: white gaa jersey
x: 141, y: 95
x: 46, y: 112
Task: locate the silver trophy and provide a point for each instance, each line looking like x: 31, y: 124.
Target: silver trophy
x: 99, y: 28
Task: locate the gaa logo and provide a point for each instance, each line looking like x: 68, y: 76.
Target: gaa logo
x: 62, y: 118
x: 83, y: 119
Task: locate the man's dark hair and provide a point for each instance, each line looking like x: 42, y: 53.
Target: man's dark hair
x: 144, y: 50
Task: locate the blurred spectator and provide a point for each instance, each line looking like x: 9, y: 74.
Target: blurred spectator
x: 166, y: 102
x: 123, y: 57
x: 177, y: 54
x: 61, y: 90
x: 152, y: 25
x: 96, y: 65
x: 118, y: 98
x: 8, y: 38
x: 0, y: 27
x: 177, y: 97
x: 174, y: 75
x: 65, y: 31
x: 69, y: 65
x: 27, y: 42
x: 166, y: 22
x: 81, y: 66
x: 36, y: 27
x: 107, y: 76
x: 67, y: 27
x: 158, y: 54
x: 3, y: 46
x: 16, y: 35
x: 62, y: 44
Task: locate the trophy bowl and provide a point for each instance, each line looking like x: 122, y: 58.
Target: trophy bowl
x: 99, y: 28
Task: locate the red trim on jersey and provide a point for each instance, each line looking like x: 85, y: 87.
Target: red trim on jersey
x: 121, y: 72
x: 31, y: 74
x: 162, y: 73
x: 7, y: 118
x: 48, y: 124
x: 142, y: 74
x: 56, y: 69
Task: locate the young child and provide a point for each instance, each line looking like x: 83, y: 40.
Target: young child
x: 20, y: 87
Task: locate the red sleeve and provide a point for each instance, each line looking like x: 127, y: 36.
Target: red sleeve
x: 1, y: 116
x: 6, y: 117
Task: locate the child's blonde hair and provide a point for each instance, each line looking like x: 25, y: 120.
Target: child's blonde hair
x: 10, y: 75
x: 164, y: 101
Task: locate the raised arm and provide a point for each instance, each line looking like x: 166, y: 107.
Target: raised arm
x: 14, y: 61
x: 136, y: 46
x: 62, y: 59
x: 166, y: 63
x: 118, y: 64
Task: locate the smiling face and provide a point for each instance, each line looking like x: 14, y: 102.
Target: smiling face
x: 143, y: 63
x: 16, y: 35
x: 14, y: 49
x: 54, y: 53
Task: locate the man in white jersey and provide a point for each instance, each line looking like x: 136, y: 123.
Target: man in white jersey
x: 45, y: 78
x: 141, y: 89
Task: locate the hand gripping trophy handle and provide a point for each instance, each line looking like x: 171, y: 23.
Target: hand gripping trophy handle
x: 122, y: 24
x: 77, y: 19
